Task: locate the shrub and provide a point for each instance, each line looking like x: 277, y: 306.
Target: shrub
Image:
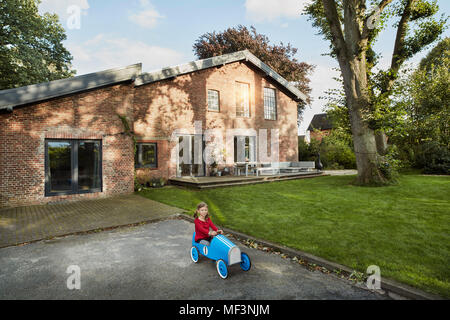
x: 433, y: 157
x: 389, y: 164
x: 337, y: 153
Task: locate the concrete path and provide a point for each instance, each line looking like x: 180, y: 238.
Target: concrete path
x: 152, y: 262
x: 25, y: 224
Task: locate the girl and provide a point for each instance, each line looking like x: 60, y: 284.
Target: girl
x: 202, y: 225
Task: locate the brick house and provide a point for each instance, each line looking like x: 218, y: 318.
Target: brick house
x: 319, y: 127
x: 86, y: 136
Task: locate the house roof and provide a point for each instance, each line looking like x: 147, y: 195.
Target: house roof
x: 320, y: 122
x: 11, y: 98
x: 170, y: 72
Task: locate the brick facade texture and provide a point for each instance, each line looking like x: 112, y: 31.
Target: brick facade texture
x: 153, y: 112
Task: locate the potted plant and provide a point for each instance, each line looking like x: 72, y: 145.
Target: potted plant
x: 157, y: 182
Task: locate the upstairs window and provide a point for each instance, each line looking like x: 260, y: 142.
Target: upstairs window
x: 213, y: 100
x: 146, y: 155
x: 270, y: 104
x: 242, y: 99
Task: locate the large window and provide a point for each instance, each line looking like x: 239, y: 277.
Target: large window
x: 270, y: 104
x: 146, y: 155
x: 72, y: 166
x: 242, y: 99
x: 213, y: 100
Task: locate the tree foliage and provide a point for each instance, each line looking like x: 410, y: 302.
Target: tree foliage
x: 31, y: 49
x: 422, y: 98
x: 280, y: 58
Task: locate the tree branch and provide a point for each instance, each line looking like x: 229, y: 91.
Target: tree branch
x: 398, y: 55
x: 337, y: 38
x: 379, y: 9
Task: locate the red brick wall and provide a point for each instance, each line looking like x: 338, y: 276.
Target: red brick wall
x: 319, y: 134
x: 89, y: 115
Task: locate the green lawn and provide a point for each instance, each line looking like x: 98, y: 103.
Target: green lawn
x: 403, y: 229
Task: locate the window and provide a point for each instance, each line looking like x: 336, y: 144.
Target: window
x: 242, y: 99
x: 213, y: 100
x: 72, y: 166
x: 270, y: 104
x: 146, y: 155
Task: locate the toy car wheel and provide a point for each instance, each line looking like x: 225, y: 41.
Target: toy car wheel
x: 194, y: 254
x: 222, y: 269
x: 245, y: 262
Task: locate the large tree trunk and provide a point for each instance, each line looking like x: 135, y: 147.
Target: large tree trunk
x: 364, y: 138
x: 350, y: 45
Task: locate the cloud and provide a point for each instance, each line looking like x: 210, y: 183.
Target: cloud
x: 148, y: 17
x: 105, y: 52
x: 270, y: 10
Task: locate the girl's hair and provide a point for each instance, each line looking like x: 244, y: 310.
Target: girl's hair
x: 199, y: 206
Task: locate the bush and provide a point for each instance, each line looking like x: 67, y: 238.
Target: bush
x: 335, y: 152
x: 433, y: 158
x: 305, y: 152
x: 389, y: 164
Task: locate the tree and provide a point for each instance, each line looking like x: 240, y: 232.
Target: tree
x: 352, y: 30
x: 31, y: 49
x: 279, y: 57
x: 423, y: 96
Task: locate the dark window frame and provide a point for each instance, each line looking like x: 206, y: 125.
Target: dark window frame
x: 267, y: 107
x: 74, y: 144
x: 138, y: 155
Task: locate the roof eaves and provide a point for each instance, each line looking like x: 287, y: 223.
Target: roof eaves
x: 271, y: 73
x: 11, y: 98
x: 171, y: 72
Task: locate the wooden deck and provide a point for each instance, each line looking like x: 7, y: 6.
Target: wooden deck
x: 228, y: 181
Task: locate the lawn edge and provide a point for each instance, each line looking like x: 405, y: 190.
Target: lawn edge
x: 387, y: 284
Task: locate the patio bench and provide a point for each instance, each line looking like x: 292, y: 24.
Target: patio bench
x: 285, y: 167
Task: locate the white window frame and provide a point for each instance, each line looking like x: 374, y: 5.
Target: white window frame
x: 213, y: 100
x: 242, y: 99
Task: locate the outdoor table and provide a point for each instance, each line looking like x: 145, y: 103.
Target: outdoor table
x: 246, y: 164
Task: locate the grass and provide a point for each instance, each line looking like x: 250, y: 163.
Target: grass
x: 403, y: 229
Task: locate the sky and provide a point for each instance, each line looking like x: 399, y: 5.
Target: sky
x: 104, y: 34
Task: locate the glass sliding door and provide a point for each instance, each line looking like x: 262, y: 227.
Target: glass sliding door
x: 89, y: 165
x: 72, y: 166
x: 59, y: 166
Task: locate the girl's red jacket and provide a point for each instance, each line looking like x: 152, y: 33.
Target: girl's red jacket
x: 202, y: 228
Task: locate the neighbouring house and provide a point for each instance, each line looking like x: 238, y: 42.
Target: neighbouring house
x: 90, y: 135
x: 319, y: 127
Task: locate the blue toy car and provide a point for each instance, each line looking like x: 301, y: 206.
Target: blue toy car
x: 223, y: 251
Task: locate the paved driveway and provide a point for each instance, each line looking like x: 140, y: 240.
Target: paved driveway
x: 152, y: 262
x: 31, y: 223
